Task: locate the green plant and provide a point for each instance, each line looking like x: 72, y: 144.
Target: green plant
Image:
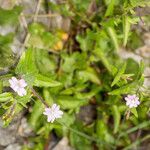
x: 86, y: 71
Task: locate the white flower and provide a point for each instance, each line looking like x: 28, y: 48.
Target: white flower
x: 18, y: 86
x: 53, y: 113
x: 132, y: 101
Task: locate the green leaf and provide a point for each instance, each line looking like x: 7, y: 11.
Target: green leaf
x: 140, y: 70
x: 125, y: 89
x: 40, y: 38
x: 81, y: 6
x: 137, y: 3
x: 1, y: 86
x: 5, y: 97
x: 44, y: 81
x: 126, y: 29
x: 9, y: 16
x: 36, y: 29
x: 69, y: 102
x: 26, y: 65
x: 118, y: 75
x: 113, y: 36
x: 88, y: 74
x: 131, y: 86
x: 110, y: 8
x: 9, y: 114
x: 47, y: 96
x: 101, y: 128
x: 6, y: 54
x: 67, y: 119
x: 89, y: 94
x: 117, y: 117
x: 75, y: 89
x: 75, y: 61
x: 134, y: 111
x: 36, y: 113
x: 102, y: 132
x: 139, y: 126
x: 6, y: 40
x: 69, y: 64
x: 77, y: 141
x: 100, y: 54
x: 86, y: 41
x: 23, y: 101
x: 62, y: 9
x: 42, y: 58
x: 132, y: 67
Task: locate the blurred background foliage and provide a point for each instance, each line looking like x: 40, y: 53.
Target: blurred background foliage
x: 80, y: 67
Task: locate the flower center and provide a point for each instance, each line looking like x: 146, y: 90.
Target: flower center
x: 19, y: 84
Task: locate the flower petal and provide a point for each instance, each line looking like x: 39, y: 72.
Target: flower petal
x: 22, y: 83
x: 132, y: 101
x: 14, y: 79
x: 54, y: 106
x: 21, y: 92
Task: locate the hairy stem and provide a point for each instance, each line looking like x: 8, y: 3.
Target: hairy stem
x: 38, y: 96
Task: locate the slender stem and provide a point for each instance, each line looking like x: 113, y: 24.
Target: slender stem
x: 140, y: 126
x: 146, y: 76
x: 34, y: 20
x: 4, y: 103
x: 41, y: 15
x: 37, y: 10
x: 85, y: 135
x: 26, y: 40
x: 137, y: 142
x: 78, y: 132
x: 23, y: 21
x: 39, y: 97
x: 71, y: 129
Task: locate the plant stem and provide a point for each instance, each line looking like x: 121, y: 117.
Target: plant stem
x: 140, y: 126
x: 39, y: 97
x: 34, y: 20
x: 41, y: 15
x: 71, y: 129
x: 132, y: 146
x: 146, y: 76
x: 37, y: 10
x: 86, y: 136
